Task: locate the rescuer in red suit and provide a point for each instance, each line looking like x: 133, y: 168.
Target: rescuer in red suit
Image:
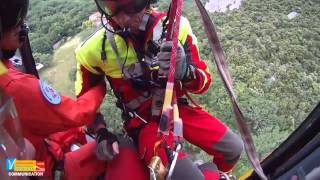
x: 131, y: 53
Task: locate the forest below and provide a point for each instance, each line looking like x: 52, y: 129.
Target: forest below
x: 274, y: 61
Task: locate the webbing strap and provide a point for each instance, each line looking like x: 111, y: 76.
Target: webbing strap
x: 157, y: 30
x: 144, y: 22
x: 170, y: 95
x: 226, y: 78
x: 110, y: 37
x: 137, y: 101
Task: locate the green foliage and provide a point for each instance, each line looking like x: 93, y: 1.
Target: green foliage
x: 72, y: 74
x: 51, y: 21
x: 45, y: 58
x: 87, y: 24
x: 61, y: 71
x: 273, y: 60
x: 111, y: 113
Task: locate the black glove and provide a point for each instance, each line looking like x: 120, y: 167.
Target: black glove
x: 98, y: 122
x: 107, y: 145
x: 164, y: 61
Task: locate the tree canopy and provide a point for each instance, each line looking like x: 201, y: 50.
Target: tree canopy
x: 53, y: 20
x: 274, y: 62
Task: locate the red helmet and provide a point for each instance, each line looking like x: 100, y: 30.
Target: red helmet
x: 112, y: 7
x: 12, y: 13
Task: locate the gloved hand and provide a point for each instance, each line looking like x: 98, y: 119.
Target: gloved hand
x: 107, y: 145
x: 98, y: 123
x: 164, y: 61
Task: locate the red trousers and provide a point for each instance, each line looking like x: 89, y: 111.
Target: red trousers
x: 83, y: 164
x: 201, y: 129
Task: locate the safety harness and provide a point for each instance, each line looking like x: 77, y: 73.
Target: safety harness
x: 136, y: 72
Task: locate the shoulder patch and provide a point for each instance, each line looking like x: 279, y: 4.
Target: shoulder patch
x: 50, y: 94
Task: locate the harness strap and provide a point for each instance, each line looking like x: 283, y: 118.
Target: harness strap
x: 144, y: 22
x: 110, y: 37
x: 136, y: 102
x: 152, y: 30
x: 157, y: 31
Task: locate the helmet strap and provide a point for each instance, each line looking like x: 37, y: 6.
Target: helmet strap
x: 109, y: 19
x: 144, y: 22
x: 122, y: 32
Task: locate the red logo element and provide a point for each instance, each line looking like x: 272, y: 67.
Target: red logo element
x: 40, y: 166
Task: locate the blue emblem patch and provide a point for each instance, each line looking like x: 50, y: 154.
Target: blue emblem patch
x: 49, y: 93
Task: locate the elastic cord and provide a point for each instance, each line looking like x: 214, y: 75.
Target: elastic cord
x: 125, y: 60
x: 103, y: 48
x: 164, y: 24
x: 121, y: 33
x: 106, y: 27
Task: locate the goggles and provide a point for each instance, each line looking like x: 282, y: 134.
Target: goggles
x: 112, y: 7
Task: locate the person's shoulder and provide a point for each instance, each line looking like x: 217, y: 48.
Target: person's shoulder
x: 15, y: 82
x: 14, y: 74
x: 90, y: 48
x: 185, y: 29
x: 93, y: 40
